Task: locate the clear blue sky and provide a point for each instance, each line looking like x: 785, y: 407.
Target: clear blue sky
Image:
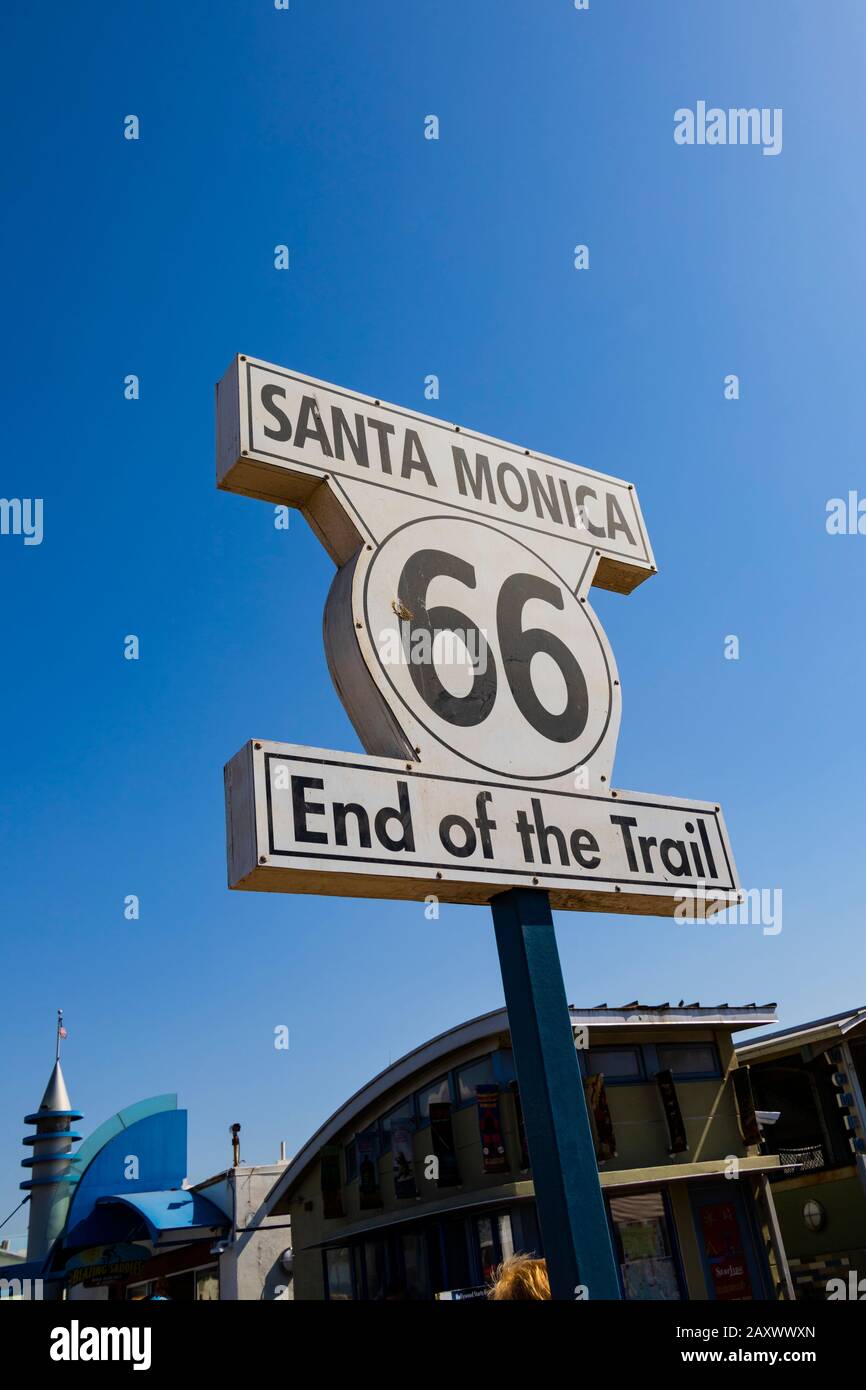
x: 408, y: 257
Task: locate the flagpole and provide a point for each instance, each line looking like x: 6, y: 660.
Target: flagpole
x: 59, y: 1029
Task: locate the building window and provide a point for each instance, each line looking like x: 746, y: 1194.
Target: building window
x: 644, y: 1247
x: 191, y: 1285
x: 207, y: 1284
x: 438, y: 1092
x: 503, y: 1061
x: 402, y: 1114
x: 417, y: 1280
x: 338, y: 1273
x: 506, y: 1239
x: 457, y: 1271
x: 495, y: 1242
x: 486, y: 1247
x: 616, y: 1063
x: 689, y: 1061
x: 179, y: 1287
x: 375, y: 1269
x: 478, y: 1073
x: 351, y: 1162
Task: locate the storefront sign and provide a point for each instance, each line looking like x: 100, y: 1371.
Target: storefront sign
x: 103, y: 1264
x: 462, y: 1295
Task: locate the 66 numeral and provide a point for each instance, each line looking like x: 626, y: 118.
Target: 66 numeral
x: 517, y: 647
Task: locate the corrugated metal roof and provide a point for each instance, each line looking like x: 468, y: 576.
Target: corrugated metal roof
x: 833, y: 1025
x: 637, y: 1007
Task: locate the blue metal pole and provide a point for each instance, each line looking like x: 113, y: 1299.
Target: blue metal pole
x: 568, y: 1198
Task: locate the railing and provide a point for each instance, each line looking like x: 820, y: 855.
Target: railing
x: 802, y: 1160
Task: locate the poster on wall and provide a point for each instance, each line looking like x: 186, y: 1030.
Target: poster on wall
x: 679, y: 1143
x: 493, y: 1156
x: 403, y: 1159
x: 723, y: 1247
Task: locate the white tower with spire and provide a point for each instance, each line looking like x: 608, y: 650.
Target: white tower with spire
x: 52, y: 1158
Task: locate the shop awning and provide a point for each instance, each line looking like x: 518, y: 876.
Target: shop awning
x: 175, y: 1217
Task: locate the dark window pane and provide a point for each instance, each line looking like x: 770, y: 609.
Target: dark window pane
x: 339, y: 1268
x: 415, y: 1266
x: 478, y: 1073
x: 685, y: 1059
x: 506, y: 1064
x: 458, y: 1273
x: 180, y: 1287
x: 644, y: 1247
x: 486, y: 1247
x: 438, y: 1092
x: 402, y: 1114
x: 207, y: 1284
x: 506, y: 1236
x: 351, y: 1162
x: 615, y: 1063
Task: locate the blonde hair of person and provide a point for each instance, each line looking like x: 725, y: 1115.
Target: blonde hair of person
x: 520, y: 1276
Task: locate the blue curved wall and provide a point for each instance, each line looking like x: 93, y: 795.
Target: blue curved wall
x: 159, y: 1144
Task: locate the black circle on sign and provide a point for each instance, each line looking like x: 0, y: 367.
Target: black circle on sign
x: 472, y: 762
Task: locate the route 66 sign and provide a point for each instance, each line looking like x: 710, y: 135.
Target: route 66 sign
x: 461, y: 639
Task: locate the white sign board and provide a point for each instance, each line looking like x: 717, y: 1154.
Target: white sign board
x: 462, y: 642
x: 303, y: 820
